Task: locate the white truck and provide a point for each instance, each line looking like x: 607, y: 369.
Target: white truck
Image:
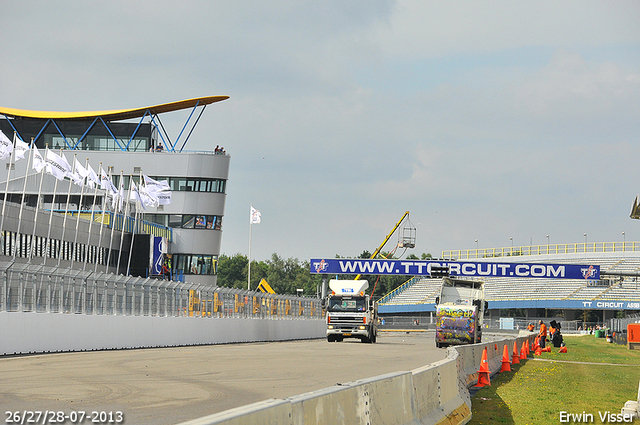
x: 459, y: 312
x: 350, y: 312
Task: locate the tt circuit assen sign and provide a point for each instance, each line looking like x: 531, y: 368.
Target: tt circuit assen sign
x: 456, y: 268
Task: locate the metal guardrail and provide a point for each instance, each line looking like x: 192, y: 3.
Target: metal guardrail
x: 43, y: 289
x: 572, y: 248
x: 398, y: 290
x: 620, y: 325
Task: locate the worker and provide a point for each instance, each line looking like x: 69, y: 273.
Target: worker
x: 542, y: 334
x: 530, y: 328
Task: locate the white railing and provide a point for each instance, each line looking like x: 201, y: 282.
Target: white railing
x: 514, y: 251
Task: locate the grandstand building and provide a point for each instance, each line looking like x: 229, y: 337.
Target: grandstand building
x: 618, y: 289
x: 128, y: 143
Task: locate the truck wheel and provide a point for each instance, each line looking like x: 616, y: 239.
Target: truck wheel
x: 365, y: 340
x: 330, y: 338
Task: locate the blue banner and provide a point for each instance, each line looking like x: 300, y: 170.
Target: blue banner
x: 456, y: 268
x: 156, y: 255
x: 495, y: 305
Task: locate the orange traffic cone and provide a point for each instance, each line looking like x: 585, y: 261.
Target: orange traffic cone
x: 515, y: 359
x: 506, y: 367
x: 547, y: 349
x: 523, y: 353
x: 483, y: 373
x: 526, y: 347
x: 538, y: 351
x: 562, y: 350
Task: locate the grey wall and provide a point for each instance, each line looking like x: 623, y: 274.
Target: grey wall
x: 50, y: 332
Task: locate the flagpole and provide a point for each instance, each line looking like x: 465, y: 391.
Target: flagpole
x: 124, y: 220
x: 55, y: 188
x: 35, y: 217
x: 6, y: 190
x: 102, y: 210
x: 24, y: 189
x: 135, y: 224
x: 249, y: 273
x: 113, y: 226
x: 66, y: 209
x: 93, y: 212
x: 75, y: 236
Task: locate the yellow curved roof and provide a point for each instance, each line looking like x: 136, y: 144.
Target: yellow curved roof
x: 115, y: 115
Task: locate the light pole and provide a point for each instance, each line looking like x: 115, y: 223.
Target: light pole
x: 547, y: 239
x: 585, y: 241
x: 624, y: 240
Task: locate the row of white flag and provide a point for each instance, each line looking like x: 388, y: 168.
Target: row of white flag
x: 151, y: 194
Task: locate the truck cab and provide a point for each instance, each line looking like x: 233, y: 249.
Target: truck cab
x: 350, y: 312
x: 459, y: 312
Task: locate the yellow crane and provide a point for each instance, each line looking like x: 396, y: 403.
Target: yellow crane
x: 408, y: 241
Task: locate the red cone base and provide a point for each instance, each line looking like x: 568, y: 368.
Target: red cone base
x: 506, y: 364
x: 483, y: 380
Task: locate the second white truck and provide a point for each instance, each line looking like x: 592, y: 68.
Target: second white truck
x: 459, y: 312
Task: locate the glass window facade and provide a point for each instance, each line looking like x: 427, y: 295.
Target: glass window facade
x: 194, y: 184
x: 186, y: 221
x: 99, y: 143
x: 195, y: 263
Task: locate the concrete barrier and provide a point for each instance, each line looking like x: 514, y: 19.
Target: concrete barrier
x: 270, y: 411
x: 26, y: 332
x: 632, y: 407
x: 433, y: 394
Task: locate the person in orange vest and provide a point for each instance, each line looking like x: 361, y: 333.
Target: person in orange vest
x: 542, y: 334
x: 530, y: 328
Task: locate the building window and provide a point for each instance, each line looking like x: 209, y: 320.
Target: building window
x: 194, y: 184
x: 195, y: 263
x: 186, y: 221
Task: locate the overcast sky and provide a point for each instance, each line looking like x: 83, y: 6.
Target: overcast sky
x: 485, y: 120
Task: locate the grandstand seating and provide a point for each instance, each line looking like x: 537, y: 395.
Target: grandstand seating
x: 424, y: 291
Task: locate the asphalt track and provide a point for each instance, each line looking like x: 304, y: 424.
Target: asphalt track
x: 173, y: 385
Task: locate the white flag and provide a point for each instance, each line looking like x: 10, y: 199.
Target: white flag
x: 21, y: 149
x: 255, y: 216
x: 149, y: 199
x: 57, y: 165
x: 5, y: 146
x: 155, y: 185
x: 79, y: 172
x: 93, y: 178
x: 164, y: 197
x: 106, y: 183
x: 135, y: 195
x: 38, y: 161
x: 80, y: 168
x: 120, y: 196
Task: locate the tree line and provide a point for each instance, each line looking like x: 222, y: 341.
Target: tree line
x: 286, y: 276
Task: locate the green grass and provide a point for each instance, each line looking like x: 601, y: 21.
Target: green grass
x: 535, y: 392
